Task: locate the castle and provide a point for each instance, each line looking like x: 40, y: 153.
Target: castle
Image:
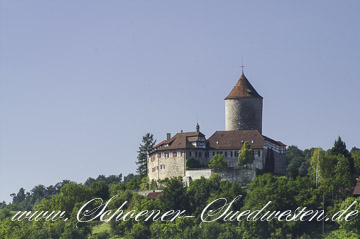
x: 243, y: 122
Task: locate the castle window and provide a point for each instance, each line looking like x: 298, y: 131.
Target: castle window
x: 252, y: 141
x: 200, y: 154
x: 225, y: 153
x: 228, y: 142
x: 159, y: 155
x: 181, y: 153
x: 231, y: 165
x: 174, y: 154
x: 217, y: 142
x: 231, y: 153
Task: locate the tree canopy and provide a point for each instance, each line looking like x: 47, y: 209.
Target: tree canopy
x: 218, y: 162
x: 145, y: 147
x: 246, y: 155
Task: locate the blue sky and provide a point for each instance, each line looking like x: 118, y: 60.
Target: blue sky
x: 83, y: 81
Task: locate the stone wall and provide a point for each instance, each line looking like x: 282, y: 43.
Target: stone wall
x: 279, y: 161
x: 280, y: 164
x: 242, y: 177
x: 243, y: 114
x: 162, y: 168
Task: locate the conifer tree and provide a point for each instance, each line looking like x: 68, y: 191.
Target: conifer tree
x: 340, y: 148
x: 148, y: 143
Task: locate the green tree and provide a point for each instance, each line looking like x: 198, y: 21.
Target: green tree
x: 145, y: 148
x: 333, y: 173
x: 356, y: 157
x: 138, y: 231
x: 246, y: 155
x: 353, y: 224
x: 144, y: 183
x: 19, y: 197
x: 199, y: 191
x: 342, y: 234
x: 218, y: 162
x: 171, y: 229
x: 323, y: 165
x: 100, y: 189
x: 344, y: 180
x: 280, y: 191
x: 297, y: 163
x: 340, y: 148
x: 174, y: 196
x: 192, y: 163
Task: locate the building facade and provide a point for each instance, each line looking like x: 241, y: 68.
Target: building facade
x: 243, y: 123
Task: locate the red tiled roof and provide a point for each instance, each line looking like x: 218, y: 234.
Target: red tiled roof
x: 161, y: 143
x: 235, y: 139
x: 153, y: 195
x: 356, y: 191
x: 181, y: 141
x: 225, y: 140
x: 243, y: 89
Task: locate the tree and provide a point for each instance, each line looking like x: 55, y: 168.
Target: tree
x: 340, y: 148
x: 192, y: 163
x: 324, y: 164
x: 145, y: 148
x: 296, y: 161
x: 282, y: 193
x: 246, y: 155
x: 353, y: 224
x: 19, y: 197
x: 218, y: 162
x: 199, y: 192
x: 100, y: 190
x: 144, y: 183
x: 174, y: 196
x: 344, y: 180
x: 356, y: 156
x: 333, y: 173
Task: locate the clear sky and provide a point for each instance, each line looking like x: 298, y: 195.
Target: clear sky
x: 83, y: 81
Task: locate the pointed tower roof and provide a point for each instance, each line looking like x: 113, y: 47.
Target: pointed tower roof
x: 243, y: 89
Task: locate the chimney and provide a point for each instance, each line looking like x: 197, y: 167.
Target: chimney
x: 168, y: 136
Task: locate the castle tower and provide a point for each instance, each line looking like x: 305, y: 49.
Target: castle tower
x: 243, y: 107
